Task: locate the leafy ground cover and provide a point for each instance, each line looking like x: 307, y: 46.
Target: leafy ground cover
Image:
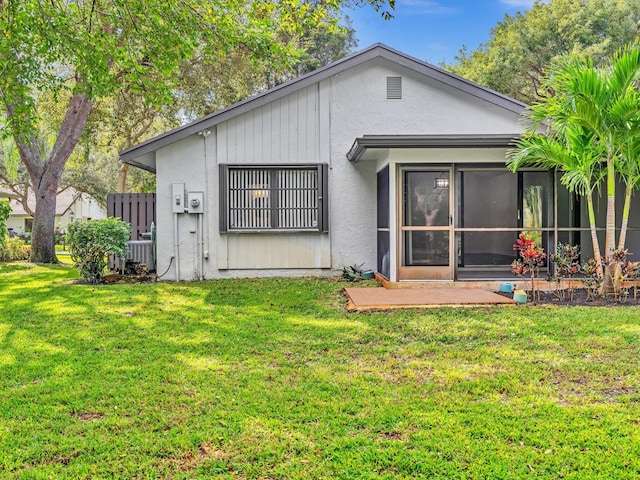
x: 272, y: 378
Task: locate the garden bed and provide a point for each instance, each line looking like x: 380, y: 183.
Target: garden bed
x: 580, y: 297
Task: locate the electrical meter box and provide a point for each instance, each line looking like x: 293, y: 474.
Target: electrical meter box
x: 195, y: 202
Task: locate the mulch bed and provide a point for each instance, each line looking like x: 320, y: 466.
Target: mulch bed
x: 130, y: 279
x: 581, y: 298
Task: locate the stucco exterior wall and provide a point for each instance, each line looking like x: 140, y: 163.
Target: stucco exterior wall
x: 16, y: 222
x: 358, y: 107
x: 182, y: 162
x: 317, y: 124
x: 286, y: 131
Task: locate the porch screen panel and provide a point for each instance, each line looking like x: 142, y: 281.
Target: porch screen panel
x: 383, y: 217
x: 568, y: 217
x: 489, y: 200
x: 535, y: 209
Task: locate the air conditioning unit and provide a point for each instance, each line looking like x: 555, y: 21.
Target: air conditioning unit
x: 141, y: 251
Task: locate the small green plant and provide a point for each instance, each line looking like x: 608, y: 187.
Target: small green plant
x: 531, y: 259
x: 90, y: 243
x: 14, y: 249
x: 591, y: 280
x: 354, y: 273
x: 623, y: 270
x: 567, y: 266
x: 5, y: 211
x: 631, y: 271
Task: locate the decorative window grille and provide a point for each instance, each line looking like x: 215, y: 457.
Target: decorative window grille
x: 273, y: 198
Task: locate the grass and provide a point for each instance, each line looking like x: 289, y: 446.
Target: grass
x: 271, y: 378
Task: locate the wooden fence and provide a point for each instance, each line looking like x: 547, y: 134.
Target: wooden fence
x: 138, y: 209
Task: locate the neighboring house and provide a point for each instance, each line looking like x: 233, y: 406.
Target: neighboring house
x: 377, y: 159
x: 71, y: 205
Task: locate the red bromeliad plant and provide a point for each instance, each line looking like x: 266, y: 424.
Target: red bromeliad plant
x: 531, y: 259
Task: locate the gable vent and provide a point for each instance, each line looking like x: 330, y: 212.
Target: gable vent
x: 394, y: 88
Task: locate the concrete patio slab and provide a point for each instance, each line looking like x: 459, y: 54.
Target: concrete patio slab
x: 379, y: 298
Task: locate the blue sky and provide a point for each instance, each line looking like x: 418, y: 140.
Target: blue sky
x: 433, y: 30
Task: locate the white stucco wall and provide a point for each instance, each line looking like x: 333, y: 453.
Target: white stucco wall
x: 317, y: 124
x: 16, y: 222
x: 359, y: 107
x: 84, y: 208
x: 183, y: 162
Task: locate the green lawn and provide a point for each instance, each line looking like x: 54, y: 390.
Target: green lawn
x: 273, y: 379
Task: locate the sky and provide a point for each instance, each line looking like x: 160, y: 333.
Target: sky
x: 433, y: 30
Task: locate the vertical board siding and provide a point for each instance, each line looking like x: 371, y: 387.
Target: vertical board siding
x: 265, y: 252
x: 284, y: 131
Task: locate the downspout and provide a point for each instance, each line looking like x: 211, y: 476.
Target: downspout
x: 201, y: 245
x: 204, y: 224
x: 176, y: 246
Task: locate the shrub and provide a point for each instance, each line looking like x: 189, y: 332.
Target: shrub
x: 566, y: 260
x: 591, y: 280
x: 5, y: 211
x: 90, y: 243
x: 14, y: 249
x: 25, y: 237
x: 531, y: 259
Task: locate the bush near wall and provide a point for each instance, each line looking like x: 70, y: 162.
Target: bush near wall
x: 90, y: 243
x: 14, y: 249
x: 5, y: 211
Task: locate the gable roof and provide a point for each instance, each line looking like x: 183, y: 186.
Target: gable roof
x: 64, y: 201
x: 143, y: 154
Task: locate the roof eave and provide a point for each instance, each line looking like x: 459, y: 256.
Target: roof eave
x: 366, y: 142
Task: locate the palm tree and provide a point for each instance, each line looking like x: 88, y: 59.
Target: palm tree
x: 571, y: 152
x: 592, y: 120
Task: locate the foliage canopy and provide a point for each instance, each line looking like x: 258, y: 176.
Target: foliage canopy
x: 81, y: 52
x: 523, y: 47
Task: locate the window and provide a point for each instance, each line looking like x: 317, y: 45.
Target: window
x: 273, y: 198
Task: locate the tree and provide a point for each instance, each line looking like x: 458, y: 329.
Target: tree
x: 207, y: 84
x: 522, y: 48
x: 83, y: 51
x: 592, y: 116
x: 88, y: 169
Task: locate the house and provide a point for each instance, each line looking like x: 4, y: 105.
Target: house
x: 71, y: 205
x: 377, y: 159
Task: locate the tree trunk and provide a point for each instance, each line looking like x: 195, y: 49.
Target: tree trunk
x: 594, y: 235
x: 45, y: 175
x: 42, y: 237
x: 122, y: 178
x: 608, y: 285
x: 625, y: 218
